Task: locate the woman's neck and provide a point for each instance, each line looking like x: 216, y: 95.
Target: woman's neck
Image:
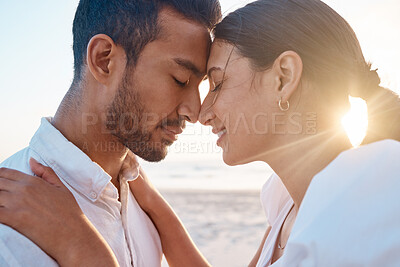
x: 299, y: 162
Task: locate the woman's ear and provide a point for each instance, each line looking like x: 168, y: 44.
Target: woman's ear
x: 288, y: 69
x: 102, y: 57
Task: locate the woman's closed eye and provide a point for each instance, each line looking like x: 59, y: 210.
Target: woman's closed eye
x: 217, y: 87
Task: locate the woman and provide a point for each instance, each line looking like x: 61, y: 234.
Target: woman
x: 280, y: 74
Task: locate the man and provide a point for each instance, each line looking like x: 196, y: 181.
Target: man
x: 138, y: 65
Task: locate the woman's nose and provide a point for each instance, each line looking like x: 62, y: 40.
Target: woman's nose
x: 206, y: 111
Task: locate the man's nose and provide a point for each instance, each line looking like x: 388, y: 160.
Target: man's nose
x: 190, y: 106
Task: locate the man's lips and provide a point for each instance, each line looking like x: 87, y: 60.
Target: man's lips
x: 172, y: 132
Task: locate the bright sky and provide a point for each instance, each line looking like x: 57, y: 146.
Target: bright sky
x: 36, y: 53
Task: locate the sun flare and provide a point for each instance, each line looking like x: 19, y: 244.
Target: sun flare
x: 355, y: 122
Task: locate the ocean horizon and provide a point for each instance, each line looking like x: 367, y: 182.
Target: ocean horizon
x: 206, y: 173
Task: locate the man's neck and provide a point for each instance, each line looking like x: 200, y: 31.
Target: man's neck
x: 90, y: 136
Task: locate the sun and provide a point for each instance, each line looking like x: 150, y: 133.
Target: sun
x: 355, y: 122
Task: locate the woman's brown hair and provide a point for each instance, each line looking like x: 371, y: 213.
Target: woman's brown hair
x: 330, y: 51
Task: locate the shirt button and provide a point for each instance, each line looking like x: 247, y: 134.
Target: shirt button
x: 93, y: 195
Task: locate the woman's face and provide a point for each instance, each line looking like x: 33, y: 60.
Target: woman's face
x: 239, y: 105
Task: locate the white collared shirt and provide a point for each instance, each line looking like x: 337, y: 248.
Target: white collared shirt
x: 350, y: 214
x: 124, y: 225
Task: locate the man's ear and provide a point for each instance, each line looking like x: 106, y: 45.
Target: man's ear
x: 103, y: 56
x: 287, y: 69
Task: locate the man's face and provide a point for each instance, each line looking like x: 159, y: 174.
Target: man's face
x: 160, y: 93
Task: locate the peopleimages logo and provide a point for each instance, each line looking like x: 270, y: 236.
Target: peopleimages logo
x: 202, y: 140
x: 277, y: 123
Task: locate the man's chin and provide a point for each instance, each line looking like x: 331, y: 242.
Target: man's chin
x: 154, y: 157
x: 152, y: 152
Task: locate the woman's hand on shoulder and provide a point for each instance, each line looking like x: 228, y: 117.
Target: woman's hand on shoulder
x: 145, y: 193
x: 45, y: 211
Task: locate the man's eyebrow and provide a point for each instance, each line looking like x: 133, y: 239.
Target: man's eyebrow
x: 211, y: 70
x: 187, y: 64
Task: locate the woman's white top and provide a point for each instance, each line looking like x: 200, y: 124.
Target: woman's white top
x: 277, y: 203
x: 350, y: 215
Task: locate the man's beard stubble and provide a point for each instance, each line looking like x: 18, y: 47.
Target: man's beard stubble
x: 126, y: 119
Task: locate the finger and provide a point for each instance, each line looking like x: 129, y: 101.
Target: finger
x: 46, y: 173
x: 6, y: 184
x: 12, y: 174
x: 36, y: 167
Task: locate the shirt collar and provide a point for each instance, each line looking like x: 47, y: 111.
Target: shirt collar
x: 74, y: 166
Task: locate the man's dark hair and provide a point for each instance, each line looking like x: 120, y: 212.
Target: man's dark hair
x: 132, y: 24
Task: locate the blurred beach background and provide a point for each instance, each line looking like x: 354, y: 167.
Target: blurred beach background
x: 218, y: 204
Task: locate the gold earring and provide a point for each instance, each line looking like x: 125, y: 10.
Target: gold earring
x: 282, y: 108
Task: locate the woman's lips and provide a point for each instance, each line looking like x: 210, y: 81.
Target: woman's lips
x: 221, y: 135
